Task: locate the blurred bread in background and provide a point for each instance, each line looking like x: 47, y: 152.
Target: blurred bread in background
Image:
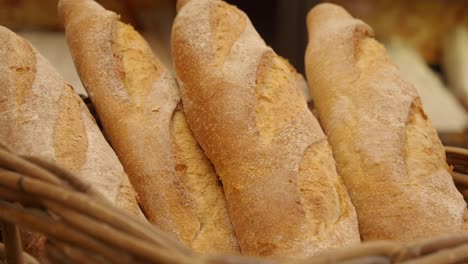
x: 422, y: 23
x: 455, y: 61
x: 443, y: 109
x: 34, y: 14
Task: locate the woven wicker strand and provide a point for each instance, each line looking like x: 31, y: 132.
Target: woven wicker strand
x: 10, y: 234
x: 83, y: 227
x: 86, y: 205
x: 51, y: 196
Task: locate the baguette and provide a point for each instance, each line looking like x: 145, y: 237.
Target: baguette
x: 455, y: 61
x: 245, y: 108
x: 387, y: 151
x: 41, y: 116
x: 138, y: 103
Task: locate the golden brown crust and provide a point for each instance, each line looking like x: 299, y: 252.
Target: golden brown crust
x: 47, y: 119
x: 388, y: 153
x: 136, y: 99
x: 199, y: 177
x: 23, y: 69
x: 70, y: 144
x: 127, y: 193
x: 234, y: 89
x: 133, y: 57
x: 41, y: 116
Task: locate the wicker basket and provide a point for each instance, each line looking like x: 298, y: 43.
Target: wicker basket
x: 82, y: 227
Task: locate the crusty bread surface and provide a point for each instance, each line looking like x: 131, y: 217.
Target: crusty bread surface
x: 41, y: 116
x: 386, y: 149
x: 138, y: 103
x: 244, y: 106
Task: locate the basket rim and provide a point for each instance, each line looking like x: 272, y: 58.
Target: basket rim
x: 73, y: 216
